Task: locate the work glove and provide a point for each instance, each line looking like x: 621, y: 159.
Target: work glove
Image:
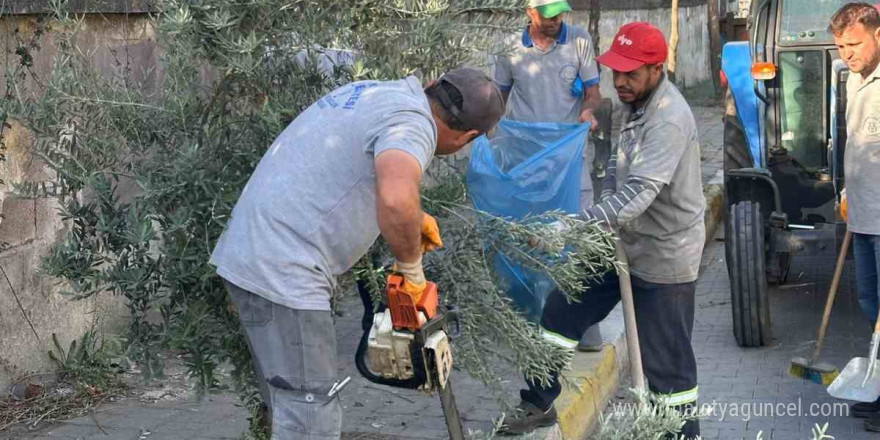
x: 430, y: 235
x: 842, y: 206
x: 414, y: 282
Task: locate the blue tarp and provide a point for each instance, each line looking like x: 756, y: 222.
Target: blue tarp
x: 527, y: 168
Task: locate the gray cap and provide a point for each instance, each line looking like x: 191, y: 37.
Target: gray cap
x: 482, y: 105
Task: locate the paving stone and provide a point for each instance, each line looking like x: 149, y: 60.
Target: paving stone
x: 794, y: 314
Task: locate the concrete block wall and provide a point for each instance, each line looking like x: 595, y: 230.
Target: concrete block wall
x: 32, y: 306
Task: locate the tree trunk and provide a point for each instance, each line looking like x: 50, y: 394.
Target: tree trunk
x: 673, y: 41
x: 714, y: 43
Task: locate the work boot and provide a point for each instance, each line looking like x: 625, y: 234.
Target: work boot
x: 526, y: 418
x: 865, y: 410
x: 873, y: 424
x: 591, y: 341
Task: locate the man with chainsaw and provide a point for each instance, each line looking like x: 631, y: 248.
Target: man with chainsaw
x: 565, y: 91
x: 314, y: 205
x: 652, y: 196
x: 856, y: 31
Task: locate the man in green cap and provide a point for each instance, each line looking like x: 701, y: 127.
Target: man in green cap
x: 551, y: 75
x: 566, y: 89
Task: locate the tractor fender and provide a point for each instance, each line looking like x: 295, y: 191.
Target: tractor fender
x: 736, y: 63
x: 757, y: 185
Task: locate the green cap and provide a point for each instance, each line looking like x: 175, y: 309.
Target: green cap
x: 550, y: 8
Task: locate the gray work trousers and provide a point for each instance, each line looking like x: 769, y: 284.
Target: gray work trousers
x: 294, y: 355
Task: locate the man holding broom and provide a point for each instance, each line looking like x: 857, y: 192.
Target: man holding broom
x: 856, y: 31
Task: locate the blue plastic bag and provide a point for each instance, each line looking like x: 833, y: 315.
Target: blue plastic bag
x: 527, y: 168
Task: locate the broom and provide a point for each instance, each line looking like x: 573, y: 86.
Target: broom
x: 822, y: 373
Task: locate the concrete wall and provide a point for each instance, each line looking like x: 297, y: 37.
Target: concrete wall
x: 31, y: 306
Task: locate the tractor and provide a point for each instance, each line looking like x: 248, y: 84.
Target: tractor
x: 784, y: 139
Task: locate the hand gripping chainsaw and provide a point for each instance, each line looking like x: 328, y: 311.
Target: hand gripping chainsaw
x: 406, y: 345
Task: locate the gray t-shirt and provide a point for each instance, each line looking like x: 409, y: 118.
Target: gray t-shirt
x: 540, y: 82
x: 862, y: 156
x: 308, y: 212
x: 659, y: 143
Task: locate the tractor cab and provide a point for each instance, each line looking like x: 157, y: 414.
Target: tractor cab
x: 784, y: 138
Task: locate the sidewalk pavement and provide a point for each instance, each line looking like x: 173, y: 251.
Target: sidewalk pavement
x: 749, y: 390
x: 373, y: 412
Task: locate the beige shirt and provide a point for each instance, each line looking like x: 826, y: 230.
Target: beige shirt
x: 862, y: 156
x: 664, y: 244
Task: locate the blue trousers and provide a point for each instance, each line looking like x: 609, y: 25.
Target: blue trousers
x: 866, y: 249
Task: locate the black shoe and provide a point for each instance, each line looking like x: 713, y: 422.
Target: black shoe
x: 873, y: 424
x: 527, y: 418
x: 865, y: 410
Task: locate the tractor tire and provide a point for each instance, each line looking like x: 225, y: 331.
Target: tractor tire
x: 736, y: 147
x: 737, y: 156
x: 745, y: 250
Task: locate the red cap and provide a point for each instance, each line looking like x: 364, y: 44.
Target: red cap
x: 635, y: 45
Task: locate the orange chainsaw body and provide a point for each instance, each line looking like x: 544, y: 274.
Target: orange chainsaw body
x: 405, y: 309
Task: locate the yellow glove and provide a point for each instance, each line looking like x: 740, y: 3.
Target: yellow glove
x: 842, y: 206
x: 414, y: 282
x: 430, y: 234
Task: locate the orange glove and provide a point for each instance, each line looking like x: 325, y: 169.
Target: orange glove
x: 414, y: 282
x: 842, y: 206
x: 430, y: 234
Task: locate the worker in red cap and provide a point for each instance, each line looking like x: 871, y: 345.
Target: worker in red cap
x: 652, y: 196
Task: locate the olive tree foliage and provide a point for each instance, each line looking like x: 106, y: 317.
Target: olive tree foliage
x: 231, y: 75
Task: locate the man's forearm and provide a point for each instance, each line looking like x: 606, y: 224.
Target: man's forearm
x: 400, y: 219
x: 592, y: 99
x: 625, y: 205
x: 398, y: 210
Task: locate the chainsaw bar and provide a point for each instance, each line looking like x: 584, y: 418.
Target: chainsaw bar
x: 450, y: 412
x: 447, y: 403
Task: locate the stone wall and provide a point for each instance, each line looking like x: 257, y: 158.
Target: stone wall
x: 31, y: 306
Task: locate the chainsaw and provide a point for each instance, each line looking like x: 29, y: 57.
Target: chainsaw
x: 406, y: 345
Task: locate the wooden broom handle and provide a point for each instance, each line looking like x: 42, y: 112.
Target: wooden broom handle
x: 832, y: 292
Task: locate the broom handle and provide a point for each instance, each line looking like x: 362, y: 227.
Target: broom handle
x: 629, y: 315
x: 832, y: 292
x: 877, y: 325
